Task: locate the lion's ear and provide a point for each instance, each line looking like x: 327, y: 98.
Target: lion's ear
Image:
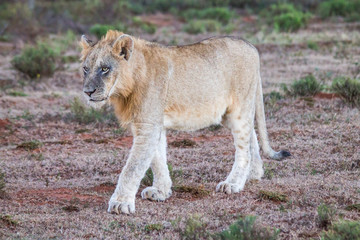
x: 85, y: 42
x: 123, y: 46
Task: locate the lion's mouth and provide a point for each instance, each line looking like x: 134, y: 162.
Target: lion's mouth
x: 97, y: 100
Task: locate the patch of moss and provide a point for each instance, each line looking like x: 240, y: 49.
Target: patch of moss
x: 29, y: 146
x: 153, y: 227
x: 273, y: 196
x: 353, y: 207
x: 183, y: 143
x: 196, y: 191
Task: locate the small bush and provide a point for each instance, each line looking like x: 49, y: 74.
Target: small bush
x: 353, y: 207
x: 285, y: 17
x: 343, y: 8
x: 273, y: 196
x: 326, y: 215
x: 195, y: 191
x: 348, y: 89
x: 29, y: 146
x: 154, y: 227
x: 147, y: 27
x: 17, y: 94
x: 36, y: 61
x: 202, y: 26
x: 2, y: 185
x: 100, y: 30
x: 343, y: 230
x: 312, y: 45
x: 246, y: 229
x: 220, y: 14
x: 83, y: 115
x: 334, y: 8
x: 195, y: 228
x: 307, y: 86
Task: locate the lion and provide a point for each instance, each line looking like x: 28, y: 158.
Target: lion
x: 154, y: 88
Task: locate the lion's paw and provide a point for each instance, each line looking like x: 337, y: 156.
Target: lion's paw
x: 228, y: 188
x: 121, y: 207
x: 154, y: 194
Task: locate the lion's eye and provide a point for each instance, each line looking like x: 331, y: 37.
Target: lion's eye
x: 105, y: 69
x: 86, y: 70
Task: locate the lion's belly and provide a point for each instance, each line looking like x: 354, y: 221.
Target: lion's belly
x: 192, y: 118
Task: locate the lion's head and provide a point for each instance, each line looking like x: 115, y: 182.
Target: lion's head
x: 105, y: 66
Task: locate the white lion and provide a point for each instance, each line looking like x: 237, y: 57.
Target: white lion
x: 154, y: 88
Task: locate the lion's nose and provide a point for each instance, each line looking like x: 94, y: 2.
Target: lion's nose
x: 89, y: 92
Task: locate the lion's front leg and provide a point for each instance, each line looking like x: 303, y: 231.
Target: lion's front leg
x: 161, y: 188
x: 146, y: 137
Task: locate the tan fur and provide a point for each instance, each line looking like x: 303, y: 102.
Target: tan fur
x: 153, y: 88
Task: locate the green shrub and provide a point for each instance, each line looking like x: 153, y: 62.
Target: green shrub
x: 29, y: 146
x: 334, y: 8
x: 342, y: 8
x: 2, y: 185
x: 83, y: 115
x: 246, y: 229
x: 348, y: 89
x: 100, y: 30
x: 312, y: 45
x: 36, y: 61
x: 202, y: 26
x: 220, y: 14
x: 326, y: 215
x: 343, y: 230
x: 147, y: 27
x: 154, y: 227
x: 195, y: 228
x: 285, y: 17
x: 307, y: 86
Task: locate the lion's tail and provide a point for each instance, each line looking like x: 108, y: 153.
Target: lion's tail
x: 260, y: 121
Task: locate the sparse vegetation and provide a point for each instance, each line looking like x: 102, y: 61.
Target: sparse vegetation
x: 17, y: 94
x: 348, y: 89
x: 195, y: 228
x: 202, y: 26
x: 36, y: 61
x: 246, y: 229
x: 2, y: 185
x: 100, y: 30
x: 154, y: 227
x: 147, y: 27
x: 285, y: 17
x: 343, y: 8
x: 312, y: 45
x: 307, y: 86
x: 326, y: 215
x: 30, y: 145
x: 8, y: 220
x: 220, y: 14
x: 353, y: 207
x: 343, y: 230
x: 83, y: 115
x: 195, y: 191
x: 273, y: 196
x: 183, y: 143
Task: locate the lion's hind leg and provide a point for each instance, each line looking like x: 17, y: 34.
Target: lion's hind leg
x: 256, y: 164
x: 161, y: 188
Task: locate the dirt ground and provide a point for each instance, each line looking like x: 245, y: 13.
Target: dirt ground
x: 61, y: 190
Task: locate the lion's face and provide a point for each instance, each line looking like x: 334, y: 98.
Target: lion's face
x: 99, y: 74
x: 104, y: 65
